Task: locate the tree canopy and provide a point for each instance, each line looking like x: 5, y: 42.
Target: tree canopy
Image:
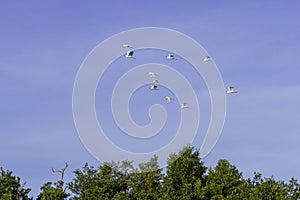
x: 11, y: 187
x: 185, y: 177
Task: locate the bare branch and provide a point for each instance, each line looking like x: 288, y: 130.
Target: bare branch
x: 61, y: 171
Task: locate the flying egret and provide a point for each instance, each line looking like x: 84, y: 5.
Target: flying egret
x: 152, y: 74
x: 168, y: 99
x: 170, y: 56
x: 230, y: 90
x: 153, y: 87
x: 129, y: 54
x: 155, y: 82
x: 126, y: 46
x: 184, y: 105
x: 207, y: 59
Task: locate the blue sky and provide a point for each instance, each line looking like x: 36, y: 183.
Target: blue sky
x: 255, y: 45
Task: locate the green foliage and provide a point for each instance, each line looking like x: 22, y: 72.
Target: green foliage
x: 51, y: 191
x: 185, y: 177
x: 106, y: 182
x: 293, y: 189
x: 268, y: 188
x: 145, y: 183
x: 11, y: 188
x: 225, y: 182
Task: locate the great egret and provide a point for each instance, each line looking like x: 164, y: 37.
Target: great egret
x: 152, y: 74
x: 230, y: 90
x: 153, y: 87
x: 129, y: 54
x: 155, y: 82
x: 184, y: 105
x: 126, y: 46
x: 168, y: 99
x: 170, y: 56
x: 207, y: 59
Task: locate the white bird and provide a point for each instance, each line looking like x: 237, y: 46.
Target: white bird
x: 126, y: 46
x: 129, y: 54
x: 207, y: 59
x: 230, y: 90
x: 170, y: 56
x: 152, y: 74
x: 168, y: 99
x: 153, y: 87
x: 184, y: 105
x: 155, y: 82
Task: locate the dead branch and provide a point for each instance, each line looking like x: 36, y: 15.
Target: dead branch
x: 61, y: 171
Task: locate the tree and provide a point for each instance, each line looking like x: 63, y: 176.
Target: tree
x: 109, y: 181
x: 51, y: 191
x: 293, y: 189
x: 185, y: 175
x: 145, y: 183
x: 226, y: 182
x: 56, y: 190
x: 11, y: 188
x: 268, y: 188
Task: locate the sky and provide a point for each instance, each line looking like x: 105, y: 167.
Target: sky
x: 254, y: 44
